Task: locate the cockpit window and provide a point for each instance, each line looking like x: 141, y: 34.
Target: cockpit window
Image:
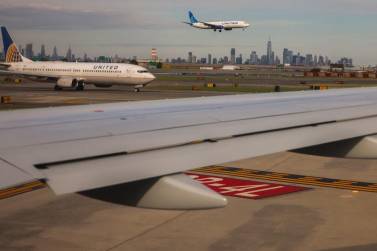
x: 142, y: 71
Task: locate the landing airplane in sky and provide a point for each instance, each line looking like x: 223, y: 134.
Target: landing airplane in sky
x: 216, y: 25
x: 150, y: 143
x: 72, y: 75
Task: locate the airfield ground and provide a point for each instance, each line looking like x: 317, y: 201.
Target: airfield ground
x: 322, y: 218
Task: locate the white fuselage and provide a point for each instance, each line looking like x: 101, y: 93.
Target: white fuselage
x: 90, y: 73
x: 227, y: 25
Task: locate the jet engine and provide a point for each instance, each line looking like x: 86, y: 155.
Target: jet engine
x: 66, y: 83
x: 70, y: 83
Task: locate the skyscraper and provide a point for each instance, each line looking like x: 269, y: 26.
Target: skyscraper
x: 226, y: 60
x: 270, y: 57
x: 29, y: 51
x: 233, y: 56
x: 55, y: 53
x: 43, y: 52
x: 189, y: 58
x: 286, y: 56
x: 309, y: 59
x: 239, y: 59
x: 253, y: 58
x: 69, y: 54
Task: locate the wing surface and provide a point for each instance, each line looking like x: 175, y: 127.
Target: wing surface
x: 213, y: 26
x: 84, y: 147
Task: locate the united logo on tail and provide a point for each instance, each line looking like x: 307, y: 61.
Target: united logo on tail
x: 10, y: 48
x: 13, y: 55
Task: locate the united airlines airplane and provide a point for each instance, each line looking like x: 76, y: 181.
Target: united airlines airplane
x: 72, y: 75
x: 216, y: 25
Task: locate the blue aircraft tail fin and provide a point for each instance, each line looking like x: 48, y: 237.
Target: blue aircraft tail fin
x: 11, y: 52
x: 192, y: 18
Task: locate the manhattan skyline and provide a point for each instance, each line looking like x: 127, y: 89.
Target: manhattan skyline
x: 335, y: 28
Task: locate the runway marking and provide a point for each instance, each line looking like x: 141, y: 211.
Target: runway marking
x: 27, y: 187
x: 290, y: 178
x: 242, y: 188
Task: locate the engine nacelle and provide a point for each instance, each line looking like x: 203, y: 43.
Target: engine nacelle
x: 67, y: 83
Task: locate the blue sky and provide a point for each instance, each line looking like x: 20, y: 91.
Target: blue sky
x: 334, y: 27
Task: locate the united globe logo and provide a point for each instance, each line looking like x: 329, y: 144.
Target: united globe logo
x: 13, y: 54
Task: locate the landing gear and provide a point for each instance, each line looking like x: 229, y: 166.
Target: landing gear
x: 214, y: 30
x: 80, y: 86
x: 219, y: 30
x: 137, y: 88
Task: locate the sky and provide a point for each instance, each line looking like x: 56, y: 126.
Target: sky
x: 335, y: 28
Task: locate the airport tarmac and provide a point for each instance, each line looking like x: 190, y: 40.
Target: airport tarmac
x: 321, y: 218
x: 32, y: 94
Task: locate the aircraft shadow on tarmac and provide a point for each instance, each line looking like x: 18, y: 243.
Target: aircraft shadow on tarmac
x: 128, y: 194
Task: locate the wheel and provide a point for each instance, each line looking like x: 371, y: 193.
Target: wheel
x: 219, y: 30
x: 80, y: 86
x: 136, y: 90
x: 57, y: 88
x: 214, y: 30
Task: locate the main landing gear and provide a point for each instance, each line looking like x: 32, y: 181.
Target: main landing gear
x: 138, y: 87
x: 80, y: 86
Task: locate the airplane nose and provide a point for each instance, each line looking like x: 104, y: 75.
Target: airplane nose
x: 149, y: 77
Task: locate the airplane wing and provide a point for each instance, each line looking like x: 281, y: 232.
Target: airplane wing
x: 25, y: 75
x: 213, y: 26
x: 85, y: 147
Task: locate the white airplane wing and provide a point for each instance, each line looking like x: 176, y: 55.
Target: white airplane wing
x: 85, y: 147
x: 213, y: 26
x: 26, y: 75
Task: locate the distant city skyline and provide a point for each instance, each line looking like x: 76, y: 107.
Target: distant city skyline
x: 288, y: 57
x: 333, y: 28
